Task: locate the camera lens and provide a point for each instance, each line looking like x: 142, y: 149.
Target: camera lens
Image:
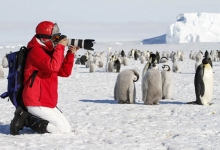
x: 86, y: 44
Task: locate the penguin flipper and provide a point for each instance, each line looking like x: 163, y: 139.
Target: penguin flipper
x: 198, y: 83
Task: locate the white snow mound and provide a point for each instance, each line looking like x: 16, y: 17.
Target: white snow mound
x: 194, y: 27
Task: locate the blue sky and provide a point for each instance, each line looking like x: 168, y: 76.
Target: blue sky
x: 109, y: 11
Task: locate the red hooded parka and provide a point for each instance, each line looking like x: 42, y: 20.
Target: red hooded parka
x: 42, y: 89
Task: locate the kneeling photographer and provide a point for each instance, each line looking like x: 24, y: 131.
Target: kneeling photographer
x: 45, y: 62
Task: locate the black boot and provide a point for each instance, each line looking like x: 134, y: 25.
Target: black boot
x: 37, y: 124
x: 18, y: 121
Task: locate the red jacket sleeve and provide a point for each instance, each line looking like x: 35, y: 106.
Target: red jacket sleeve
x: 67, y: 65
x: 45, y: 62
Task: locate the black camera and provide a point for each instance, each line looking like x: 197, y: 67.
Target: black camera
x: 86, y: 44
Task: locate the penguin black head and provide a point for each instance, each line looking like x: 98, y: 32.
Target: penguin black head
x: 164, y: 58
x: 206, y: 60
x: 153, y: 65
x: 166, y: 67
x: 153, y: 57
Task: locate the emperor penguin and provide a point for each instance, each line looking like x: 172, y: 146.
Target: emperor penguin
x: 163, y: 59
x: 77, y: 60
x: 194, y: 55
x: 142, y: 58
x: 167, y: 82
x: 152, y: 59
x: 135, y: 55
x: 83, y: 59
x: 1, y: 72
x: 132, y: 53
x: 125, y: 91
x: 92, y: 66
x: 125, y: 61
x: 178, y: 54
x: 175, y: 66
x: 117, y: 65
x: 152, y: 86
x: 164, y: 54
x: 100, y: 65
x: 5, y: 62
x: 110, y: 66
x: 190, y: 55
x: 182, y: 56
x: 122, y: 53
x: 203, y: 82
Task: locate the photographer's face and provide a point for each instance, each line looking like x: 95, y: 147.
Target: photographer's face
x: 55, y: 38
x: 48, y: 43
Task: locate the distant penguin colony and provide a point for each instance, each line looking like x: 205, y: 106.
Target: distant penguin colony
x: 156, y: 84
x: 125, y: 91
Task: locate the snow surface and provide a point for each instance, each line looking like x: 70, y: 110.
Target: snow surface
x: 194, y: 27
x: 99, y: 123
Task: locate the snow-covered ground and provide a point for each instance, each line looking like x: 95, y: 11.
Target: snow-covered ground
x: 98, y: 122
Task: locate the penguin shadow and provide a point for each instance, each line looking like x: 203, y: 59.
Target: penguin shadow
x: 171, y: 102
x: 107, y: 101
x: 187, y: 72
x: 5, y: 129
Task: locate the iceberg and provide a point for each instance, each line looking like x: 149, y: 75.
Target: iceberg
x: 194, y: 27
